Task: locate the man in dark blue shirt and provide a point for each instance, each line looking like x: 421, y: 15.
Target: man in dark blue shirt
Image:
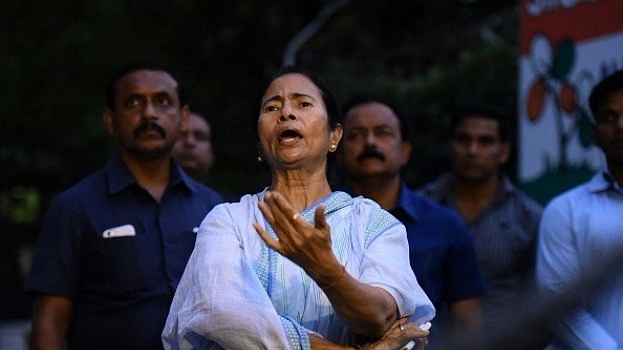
x: 375, y: 148
x: 113, y: 247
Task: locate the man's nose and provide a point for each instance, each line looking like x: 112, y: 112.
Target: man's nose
x: 189, y: 139
x: 149, y: 111
x: 473, y: 146
x: 370, y: 138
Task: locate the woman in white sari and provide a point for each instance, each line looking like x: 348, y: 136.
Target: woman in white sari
x: 298, y: 266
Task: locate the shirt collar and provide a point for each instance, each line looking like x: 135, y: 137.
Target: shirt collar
x: 507, y: 188
x: 603, y: 181
x: 407, y: 202
x: 120, y: 177
x: 440, y: 189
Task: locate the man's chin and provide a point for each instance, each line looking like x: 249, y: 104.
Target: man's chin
x: 474, y: 177
x: 188, y: 166
x: 149, y: 153
x: 369, y: 173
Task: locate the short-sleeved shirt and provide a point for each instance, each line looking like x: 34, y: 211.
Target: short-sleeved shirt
x: 118, y: 254
x: 505, y: 236
x: 440, y: 250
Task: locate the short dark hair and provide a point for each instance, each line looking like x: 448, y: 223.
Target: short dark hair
x: 485, y: 110
x: 610, y: 83
x: 201, y: 110
x: 136, y: 66
x: 366, y: 98
x: 334, y: 112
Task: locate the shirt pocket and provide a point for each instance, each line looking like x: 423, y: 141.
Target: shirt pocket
x: 123, y: 265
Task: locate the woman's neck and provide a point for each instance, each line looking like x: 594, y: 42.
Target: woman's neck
x: 302, y: 190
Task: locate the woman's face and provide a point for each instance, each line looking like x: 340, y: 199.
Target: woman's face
x: 293, y: 124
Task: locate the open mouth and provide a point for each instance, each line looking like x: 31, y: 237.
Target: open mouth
x: 289, y: 136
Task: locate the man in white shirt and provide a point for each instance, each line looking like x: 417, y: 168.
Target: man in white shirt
x: 585, y: 225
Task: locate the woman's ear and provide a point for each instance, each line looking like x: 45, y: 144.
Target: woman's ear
x: 336, y: 134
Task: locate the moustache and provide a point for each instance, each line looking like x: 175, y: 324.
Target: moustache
x: 370, y: 153
x: 149, y: 125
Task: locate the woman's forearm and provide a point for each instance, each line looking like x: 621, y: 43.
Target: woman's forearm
x: 365, y: 309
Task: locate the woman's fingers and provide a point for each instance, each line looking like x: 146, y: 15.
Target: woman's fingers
x: 268, y: 239
x: 304, y: 244
x: 400, y: 333
x: 319, y: 218
x: 283, y: 217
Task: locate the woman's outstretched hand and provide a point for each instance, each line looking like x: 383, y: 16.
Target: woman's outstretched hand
x: 309, y: 246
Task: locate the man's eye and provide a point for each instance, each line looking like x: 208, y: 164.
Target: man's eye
x: 271, y: 108
x: 488, y: 141
x: 201, y: 136
x: 461, y: 139
x: 354, y: 136
x: 608, y: 118
x: 131, y: 102
x: 384, y: 133
x: 164, y: 101
x: 305, y: 104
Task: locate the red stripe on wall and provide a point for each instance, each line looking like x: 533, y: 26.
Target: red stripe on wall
x: 587, y: 19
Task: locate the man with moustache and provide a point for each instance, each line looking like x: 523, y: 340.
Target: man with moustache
x: 113, y: 247
x: 375, y: 149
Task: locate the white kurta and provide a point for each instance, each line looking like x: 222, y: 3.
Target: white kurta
x: 237, y: 293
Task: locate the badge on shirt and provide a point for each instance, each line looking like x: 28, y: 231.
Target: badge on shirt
x: 121, y: 231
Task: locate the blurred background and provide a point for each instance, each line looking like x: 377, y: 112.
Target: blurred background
x: 56, y: 58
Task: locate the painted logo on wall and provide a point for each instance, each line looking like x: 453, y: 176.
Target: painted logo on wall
x: 566, y: 48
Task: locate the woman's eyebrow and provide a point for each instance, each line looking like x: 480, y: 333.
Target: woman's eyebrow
x: 300, y: 94
x: 277, y: 98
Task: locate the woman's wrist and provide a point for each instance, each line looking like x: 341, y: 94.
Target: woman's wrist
x: 334, y: 281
